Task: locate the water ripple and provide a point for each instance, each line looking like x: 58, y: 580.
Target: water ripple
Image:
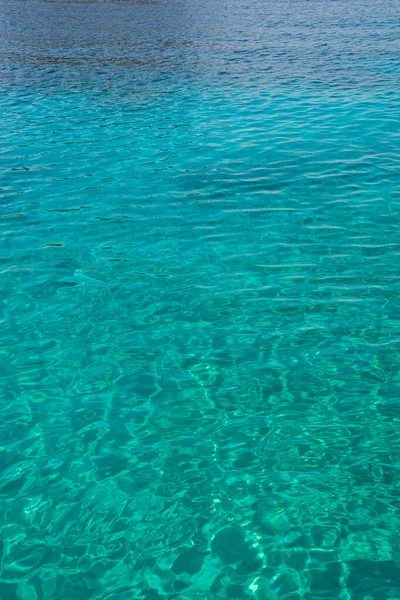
x: 199, y: 324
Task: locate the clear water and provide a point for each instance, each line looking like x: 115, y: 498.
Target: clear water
x: 200, y: 321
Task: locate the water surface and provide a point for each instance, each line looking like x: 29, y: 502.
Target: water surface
x: 199, y: 343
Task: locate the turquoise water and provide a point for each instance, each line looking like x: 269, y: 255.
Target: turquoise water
x: 200, y: 322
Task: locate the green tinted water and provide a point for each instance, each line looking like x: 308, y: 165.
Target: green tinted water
x: 199, y: 337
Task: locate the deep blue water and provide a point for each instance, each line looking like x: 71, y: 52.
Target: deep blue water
x: 200, y: 318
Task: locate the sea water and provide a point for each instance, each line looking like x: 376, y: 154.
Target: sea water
x: 200, y: 318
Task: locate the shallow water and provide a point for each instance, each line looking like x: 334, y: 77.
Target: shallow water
x: 199, y: 263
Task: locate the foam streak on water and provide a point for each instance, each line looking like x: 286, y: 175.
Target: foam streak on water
x: 199, y: 291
